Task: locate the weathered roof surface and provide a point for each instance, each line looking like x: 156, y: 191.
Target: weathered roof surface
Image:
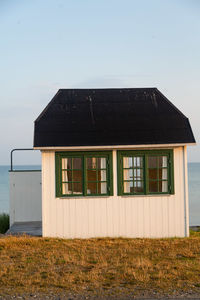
x: 92, y: 117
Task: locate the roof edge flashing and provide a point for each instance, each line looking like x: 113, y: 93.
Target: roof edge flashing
x: 114, y: 147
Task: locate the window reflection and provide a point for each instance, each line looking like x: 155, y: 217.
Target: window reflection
x: 96, y: 175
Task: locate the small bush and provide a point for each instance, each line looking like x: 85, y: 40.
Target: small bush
x: 4, y: 222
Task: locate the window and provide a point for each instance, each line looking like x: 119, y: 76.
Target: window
x: 83, y: 174
x: 145, y: 172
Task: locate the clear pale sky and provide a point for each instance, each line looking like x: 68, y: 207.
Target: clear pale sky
x: 50, y: 44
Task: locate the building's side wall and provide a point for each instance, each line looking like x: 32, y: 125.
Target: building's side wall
x: 186, y: 202
x: 116, y: 216
x: 25, y: 196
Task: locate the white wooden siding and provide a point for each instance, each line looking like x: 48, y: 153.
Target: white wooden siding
x: 115, y: 216
x: 25, y: 196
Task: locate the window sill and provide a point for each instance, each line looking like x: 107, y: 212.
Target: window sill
x: 83, y: 197
x: 121, y: 196
x: 146, y: 196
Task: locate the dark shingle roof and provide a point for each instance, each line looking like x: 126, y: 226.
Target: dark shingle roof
x: 91, y: 117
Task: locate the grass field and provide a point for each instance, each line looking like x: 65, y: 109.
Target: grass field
x: 40, y: 264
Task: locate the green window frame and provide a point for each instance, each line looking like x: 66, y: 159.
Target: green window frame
x: 81, y: 174
x: 145, y: 172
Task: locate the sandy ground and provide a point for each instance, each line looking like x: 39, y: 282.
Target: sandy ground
x: 108, y: 294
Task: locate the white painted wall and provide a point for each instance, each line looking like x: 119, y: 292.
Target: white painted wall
x: 115, y: 216
x: 25, y: 196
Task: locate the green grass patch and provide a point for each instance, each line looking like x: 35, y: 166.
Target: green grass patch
x: 4, y: 222
x: 194, y: 233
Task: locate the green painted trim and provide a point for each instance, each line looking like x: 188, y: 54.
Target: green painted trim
x: 57, y: 175
x: 84, y: 175
x: 145, y: 154
x: 84, y: 155
x: 139, y: 152
x: 171, y: 162
x: 119, y: 178
x: 110, y: 174
x: 146, y: 190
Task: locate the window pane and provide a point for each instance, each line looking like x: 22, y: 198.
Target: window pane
x: 127, y: 162
x: 153, y: 186
x: 82, y: 173
x: 163, y: 174
x: 128, y: 174
x: 67, y: 188
x: 91, y: 162
x: 102, y: 187
x: 152, y: 161
x: 66, y: 163
x: 77, y: 175
x: 138, y: 174
x: 91, y: 188
x: 102, y: 175
x: 67, y: 175
x: 91, y: 175
x: 152, y: 174
x: 163, y: 186
x: 138, y: 186
x: 137, y: 162
x: 128, y: 187
x: 101, y: 163
x: 145, y: 172
x: 77, y: 188
x: 162, y: 161
x: 77, y: 163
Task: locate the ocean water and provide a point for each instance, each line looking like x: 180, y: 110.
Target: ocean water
x: 193, y: 183
x: 194, y: 193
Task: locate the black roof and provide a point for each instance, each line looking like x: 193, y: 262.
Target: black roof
x: 97, y: 117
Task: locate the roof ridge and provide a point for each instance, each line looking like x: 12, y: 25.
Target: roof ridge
x: 119, y: 88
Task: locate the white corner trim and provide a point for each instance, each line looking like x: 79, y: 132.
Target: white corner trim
x: 186, y: 204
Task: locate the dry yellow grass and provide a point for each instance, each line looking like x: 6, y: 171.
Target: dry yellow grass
x: 39, y: 264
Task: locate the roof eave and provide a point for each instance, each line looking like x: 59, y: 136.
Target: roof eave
x: 173, y: 145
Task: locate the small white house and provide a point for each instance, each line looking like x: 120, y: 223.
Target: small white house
x: 114, y: 164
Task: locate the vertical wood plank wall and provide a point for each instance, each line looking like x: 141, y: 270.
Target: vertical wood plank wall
x: 116, y: 216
